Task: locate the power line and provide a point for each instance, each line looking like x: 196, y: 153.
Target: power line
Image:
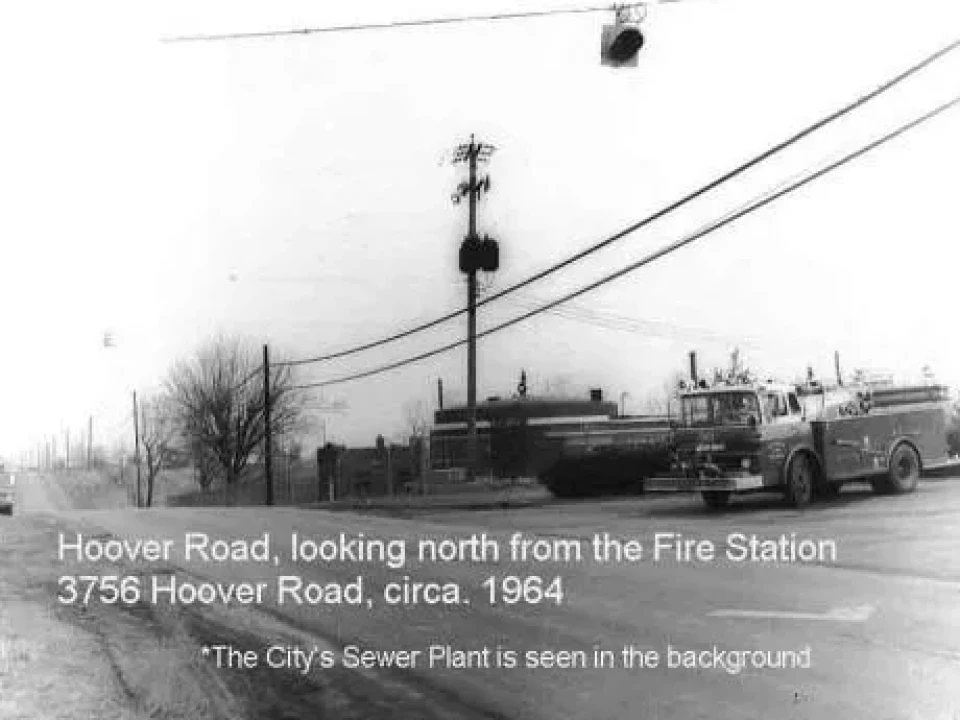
x: 397, y: 24
x: 762, y: 201
x: 614, y: 321
x: 670, y: 333
x: 739, y: 170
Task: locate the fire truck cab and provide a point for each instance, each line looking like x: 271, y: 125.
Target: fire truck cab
x: 744, y: 437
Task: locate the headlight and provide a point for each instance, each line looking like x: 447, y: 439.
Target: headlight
x: 745, y: 463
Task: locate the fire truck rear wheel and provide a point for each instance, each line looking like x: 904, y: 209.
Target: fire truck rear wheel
x: 715, y: 500
x: 800, y: 481
x: 904, y: 473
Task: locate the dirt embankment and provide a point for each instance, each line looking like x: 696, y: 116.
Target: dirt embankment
x: 141, y: 661
x: 110, y: 662
x: 98, y: 662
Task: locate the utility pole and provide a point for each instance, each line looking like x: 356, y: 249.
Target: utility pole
x: 836, y: 362
x: 90, y: 444
x: 145, y: 434
x: 286, y: 470
x: 424, y: 461
x: 66, y: 438
x: 136, y: 444
x: 267, y: 439
x: 472, y: 327
x: 475, y: 255
x: 390, y: 489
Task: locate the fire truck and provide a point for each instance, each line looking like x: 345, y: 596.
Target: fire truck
x: 741, y: 436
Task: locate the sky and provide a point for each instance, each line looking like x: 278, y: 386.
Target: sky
x: 295, y: 192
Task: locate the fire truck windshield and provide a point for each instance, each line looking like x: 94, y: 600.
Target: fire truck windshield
x: 736, y: 407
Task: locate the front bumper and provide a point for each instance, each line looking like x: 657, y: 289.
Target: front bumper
x: 704, y: 483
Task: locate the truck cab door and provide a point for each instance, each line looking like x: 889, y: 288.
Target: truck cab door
x: 778, y: 410
x: 794, y: 408
x: 784, y: 432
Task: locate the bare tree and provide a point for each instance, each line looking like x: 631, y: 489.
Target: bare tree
x: 415, y: 419
x: 219, y: 404
x: 157, y: 432
x: 417, y: 429
x: 206, y: 469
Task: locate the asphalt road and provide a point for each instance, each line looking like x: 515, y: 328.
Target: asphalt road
x: 882, y: 621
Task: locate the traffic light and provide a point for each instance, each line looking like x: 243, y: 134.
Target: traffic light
x: 620, y: 44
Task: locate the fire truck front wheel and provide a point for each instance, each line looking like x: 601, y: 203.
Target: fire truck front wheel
x: 800, y: 481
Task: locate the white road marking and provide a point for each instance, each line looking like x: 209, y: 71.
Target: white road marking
x: 856, y: 614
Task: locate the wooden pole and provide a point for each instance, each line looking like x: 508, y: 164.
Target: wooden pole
x: 136, y: 445
x: 268, y: 440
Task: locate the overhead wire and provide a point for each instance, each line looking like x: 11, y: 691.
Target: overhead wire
x: 758, y: 203
x: 397, y: 24
x: 625, y: 323
x: 650, y: 328
x: 686, y: 199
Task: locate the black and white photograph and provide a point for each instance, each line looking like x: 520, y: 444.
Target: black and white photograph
x: 480, y: 360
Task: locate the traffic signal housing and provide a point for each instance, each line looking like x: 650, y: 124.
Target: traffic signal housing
x: 620, y: 44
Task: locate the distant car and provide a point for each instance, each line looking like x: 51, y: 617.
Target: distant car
x: 8, y: 493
